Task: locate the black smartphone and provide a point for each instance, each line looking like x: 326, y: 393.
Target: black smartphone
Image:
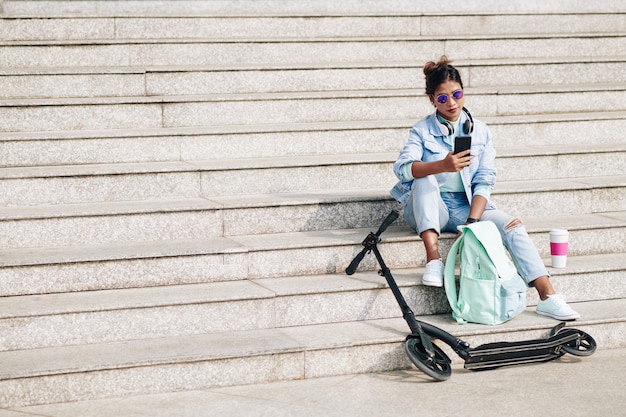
x: 462, y: 143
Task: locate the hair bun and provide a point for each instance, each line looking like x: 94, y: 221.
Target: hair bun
x: 432, y: 66
x: 438, y: 73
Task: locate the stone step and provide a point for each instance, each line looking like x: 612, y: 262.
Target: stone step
x: 75, y: 184
x: 116, y: 315
x: 70, y: 373
x: 575, y: 196
x: 235, y: 51
x: 298, y: 211
x: 242, y: 79
x: 38, y: 321
x: 178, y: 8
x: 311, y: 27
x: 529, y: 162
x: 289, y: 139
x: 304, y: 107
x: 174, y: 262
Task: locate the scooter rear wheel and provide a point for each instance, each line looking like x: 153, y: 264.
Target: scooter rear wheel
x: 437, y: 367
x: 585, y: 346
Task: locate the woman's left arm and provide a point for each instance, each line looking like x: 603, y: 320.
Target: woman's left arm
x: 477, y: 208
x: 484, y: 178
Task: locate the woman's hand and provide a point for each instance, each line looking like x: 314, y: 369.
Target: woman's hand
x: 455, y: 163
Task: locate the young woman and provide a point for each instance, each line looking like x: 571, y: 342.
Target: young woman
x: 441, y: 190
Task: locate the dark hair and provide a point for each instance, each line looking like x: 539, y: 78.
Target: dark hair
x: 438, y: 73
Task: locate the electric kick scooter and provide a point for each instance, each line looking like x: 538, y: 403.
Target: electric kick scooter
x: 434, y: 362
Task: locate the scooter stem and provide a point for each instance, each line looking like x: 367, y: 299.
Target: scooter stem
x: 407, y: 313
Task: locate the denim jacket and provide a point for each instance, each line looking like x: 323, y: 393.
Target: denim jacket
x: 427, y: 144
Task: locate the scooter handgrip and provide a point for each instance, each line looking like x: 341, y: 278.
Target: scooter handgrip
x: 351, y: 269
x: 391, y: 217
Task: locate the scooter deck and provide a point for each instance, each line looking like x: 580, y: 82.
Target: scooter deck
x: 495, y: 355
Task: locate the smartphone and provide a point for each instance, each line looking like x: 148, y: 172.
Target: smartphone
x: 462, y: 143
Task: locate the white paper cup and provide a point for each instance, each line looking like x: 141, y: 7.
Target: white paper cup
x: 558, y: 247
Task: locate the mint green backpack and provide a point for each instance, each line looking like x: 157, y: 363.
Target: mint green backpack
x: 490, y: 291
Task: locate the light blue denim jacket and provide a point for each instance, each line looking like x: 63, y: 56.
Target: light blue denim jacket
x: 427, y: 144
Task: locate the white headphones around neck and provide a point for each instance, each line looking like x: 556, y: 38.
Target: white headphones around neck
x: 446, y: 126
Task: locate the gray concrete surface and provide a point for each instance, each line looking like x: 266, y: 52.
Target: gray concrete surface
x: 569, y: 386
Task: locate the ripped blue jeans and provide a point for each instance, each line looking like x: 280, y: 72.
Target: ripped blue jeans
x: 427, y: 209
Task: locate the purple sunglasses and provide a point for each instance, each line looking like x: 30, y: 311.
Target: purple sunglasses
x: 443, y: 98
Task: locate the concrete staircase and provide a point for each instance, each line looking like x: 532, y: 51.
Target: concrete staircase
x: 182, y: 183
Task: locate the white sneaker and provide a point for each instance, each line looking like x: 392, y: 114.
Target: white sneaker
x: 555, y: 306
x: 433, y: 276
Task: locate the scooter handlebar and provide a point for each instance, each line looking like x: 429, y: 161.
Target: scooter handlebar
x: 371, y: 240
x: 351, y: 269
x: 391, y: 217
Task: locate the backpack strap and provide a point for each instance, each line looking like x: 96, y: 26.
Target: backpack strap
x: 449, y: 280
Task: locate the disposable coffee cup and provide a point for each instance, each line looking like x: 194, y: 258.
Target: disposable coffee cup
x: 558, y: 247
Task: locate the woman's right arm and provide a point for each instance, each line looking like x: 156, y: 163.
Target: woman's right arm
x: 451, y: 163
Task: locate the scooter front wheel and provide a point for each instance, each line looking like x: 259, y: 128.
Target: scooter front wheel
x: 437, y: 367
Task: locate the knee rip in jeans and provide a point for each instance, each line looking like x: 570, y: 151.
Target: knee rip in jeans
x: 516, y: 222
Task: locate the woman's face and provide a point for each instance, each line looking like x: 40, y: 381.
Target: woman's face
x: 451, y: 109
